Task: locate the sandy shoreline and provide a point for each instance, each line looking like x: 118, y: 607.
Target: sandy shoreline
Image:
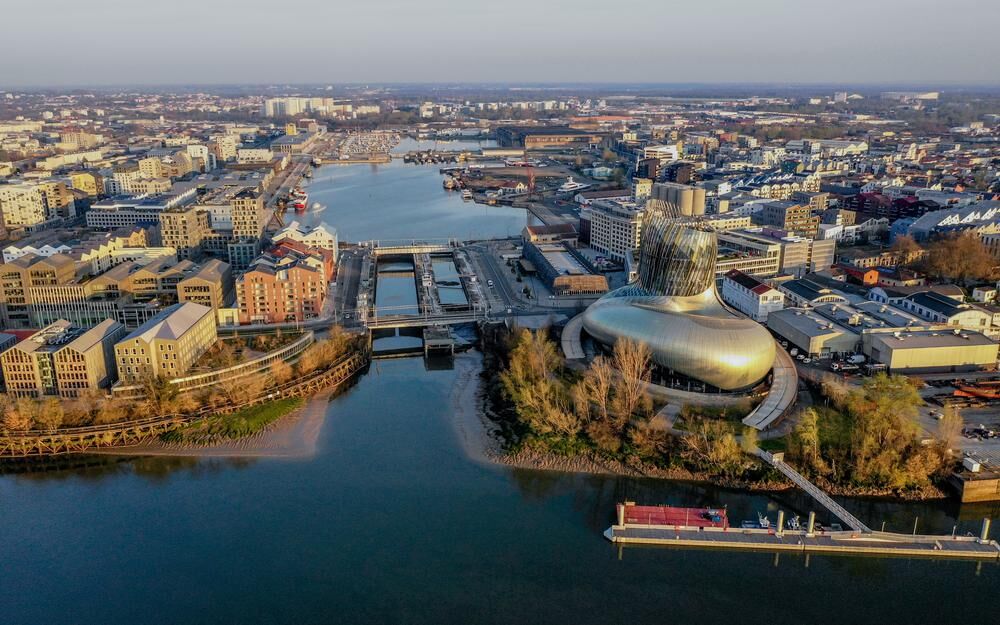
x: 293, y: 436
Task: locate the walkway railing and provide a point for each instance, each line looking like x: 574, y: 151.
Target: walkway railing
x: 80, y: 439
x: 814, y: 491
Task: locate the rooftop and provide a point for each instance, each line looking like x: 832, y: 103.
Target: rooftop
x: 171, y: 323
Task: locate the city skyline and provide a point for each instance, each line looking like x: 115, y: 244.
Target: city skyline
x: 518, y: 42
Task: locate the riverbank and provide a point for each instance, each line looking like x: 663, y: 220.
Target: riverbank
x: 494, y: 447
x: 294, y: 435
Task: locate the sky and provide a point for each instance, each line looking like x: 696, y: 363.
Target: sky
x: 117, y: 42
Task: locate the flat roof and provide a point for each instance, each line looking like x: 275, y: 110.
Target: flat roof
x: 933, y: 339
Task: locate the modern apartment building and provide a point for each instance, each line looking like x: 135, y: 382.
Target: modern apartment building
x: 797, y: 255
x: 62, y: 359
x: 210, y: 286
x: 24, y: 206
x: 19, y: 277
x: 185, y: 228
x: 167, y: 345
x: 789, y: 216
x: 615, y: 227
x: 249, y: 217
x: 276, y: 288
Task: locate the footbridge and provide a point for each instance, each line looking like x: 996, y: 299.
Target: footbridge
x: 411, y: 246
x: 397, y: 317
x: 778, y: 462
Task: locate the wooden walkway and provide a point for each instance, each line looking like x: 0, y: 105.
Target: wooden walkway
x: 814, y: 491
x: 81, y: 439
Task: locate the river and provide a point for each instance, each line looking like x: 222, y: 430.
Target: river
x: 398, y: 200
x: 392, y: 521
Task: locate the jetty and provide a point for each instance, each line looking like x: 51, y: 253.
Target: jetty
x: 700, y: 529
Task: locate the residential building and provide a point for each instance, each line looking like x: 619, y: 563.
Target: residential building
x: 167, y: 345
x: 750, y: 296
x: 249, y: 220
x: 63, y: 360
x: 788, y: 216
x: 320, y: 236
x: 211, y: 285
x: 615, y: 227
x: 797, y: 256
x: 285, y: 284
x: 185, y: 228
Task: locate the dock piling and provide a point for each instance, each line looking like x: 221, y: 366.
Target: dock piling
x: 812, y: 524
x: 780, y: 528
x: 984, y: 535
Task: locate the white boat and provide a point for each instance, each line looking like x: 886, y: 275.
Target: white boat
x: 466, y: 195
x: 572, y: 186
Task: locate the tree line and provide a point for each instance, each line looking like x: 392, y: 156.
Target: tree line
x: 160, y: 397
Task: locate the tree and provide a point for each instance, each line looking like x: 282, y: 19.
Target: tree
x: 632, y: 359
x: 597, y: 383
x: 281, y: 371
x: 50, y: 414
x: 949, y: 429
x: 749, y: 440
x: 711, y: 446
x: 959, y: 258
x: 906, y: 249
x: 805, y: 438
x: 532, y: 382
x: 883, y: 429
x: 19, y: 415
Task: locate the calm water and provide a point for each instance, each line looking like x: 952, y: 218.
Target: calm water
x: 403, y: 201
x: 392, y: 523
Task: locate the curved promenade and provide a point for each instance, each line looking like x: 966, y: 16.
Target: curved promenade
x: 781, y: 397
x: 82, y: 439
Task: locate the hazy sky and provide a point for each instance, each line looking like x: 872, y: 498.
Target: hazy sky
x: 60, y: 42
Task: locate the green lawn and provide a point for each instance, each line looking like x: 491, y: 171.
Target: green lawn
x: 237, y: 424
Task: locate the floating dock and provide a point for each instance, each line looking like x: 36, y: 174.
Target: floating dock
x: 644, y: 525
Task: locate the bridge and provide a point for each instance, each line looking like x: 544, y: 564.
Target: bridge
x: 411, y: 246
x: 383, y: 318
x: 778, y: 462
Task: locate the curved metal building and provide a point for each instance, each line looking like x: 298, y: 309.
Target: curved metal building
x: 673, y: 307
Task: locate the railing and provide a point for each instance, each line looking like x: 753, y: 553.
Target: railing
x: 208, y: 378
x: 80, y: 439
x: 814, y: 491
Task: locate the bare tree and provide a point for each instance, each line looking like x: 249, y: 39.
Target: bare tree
x: 598, y: 381
x: 949, y: 429
x: 632, y: 360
